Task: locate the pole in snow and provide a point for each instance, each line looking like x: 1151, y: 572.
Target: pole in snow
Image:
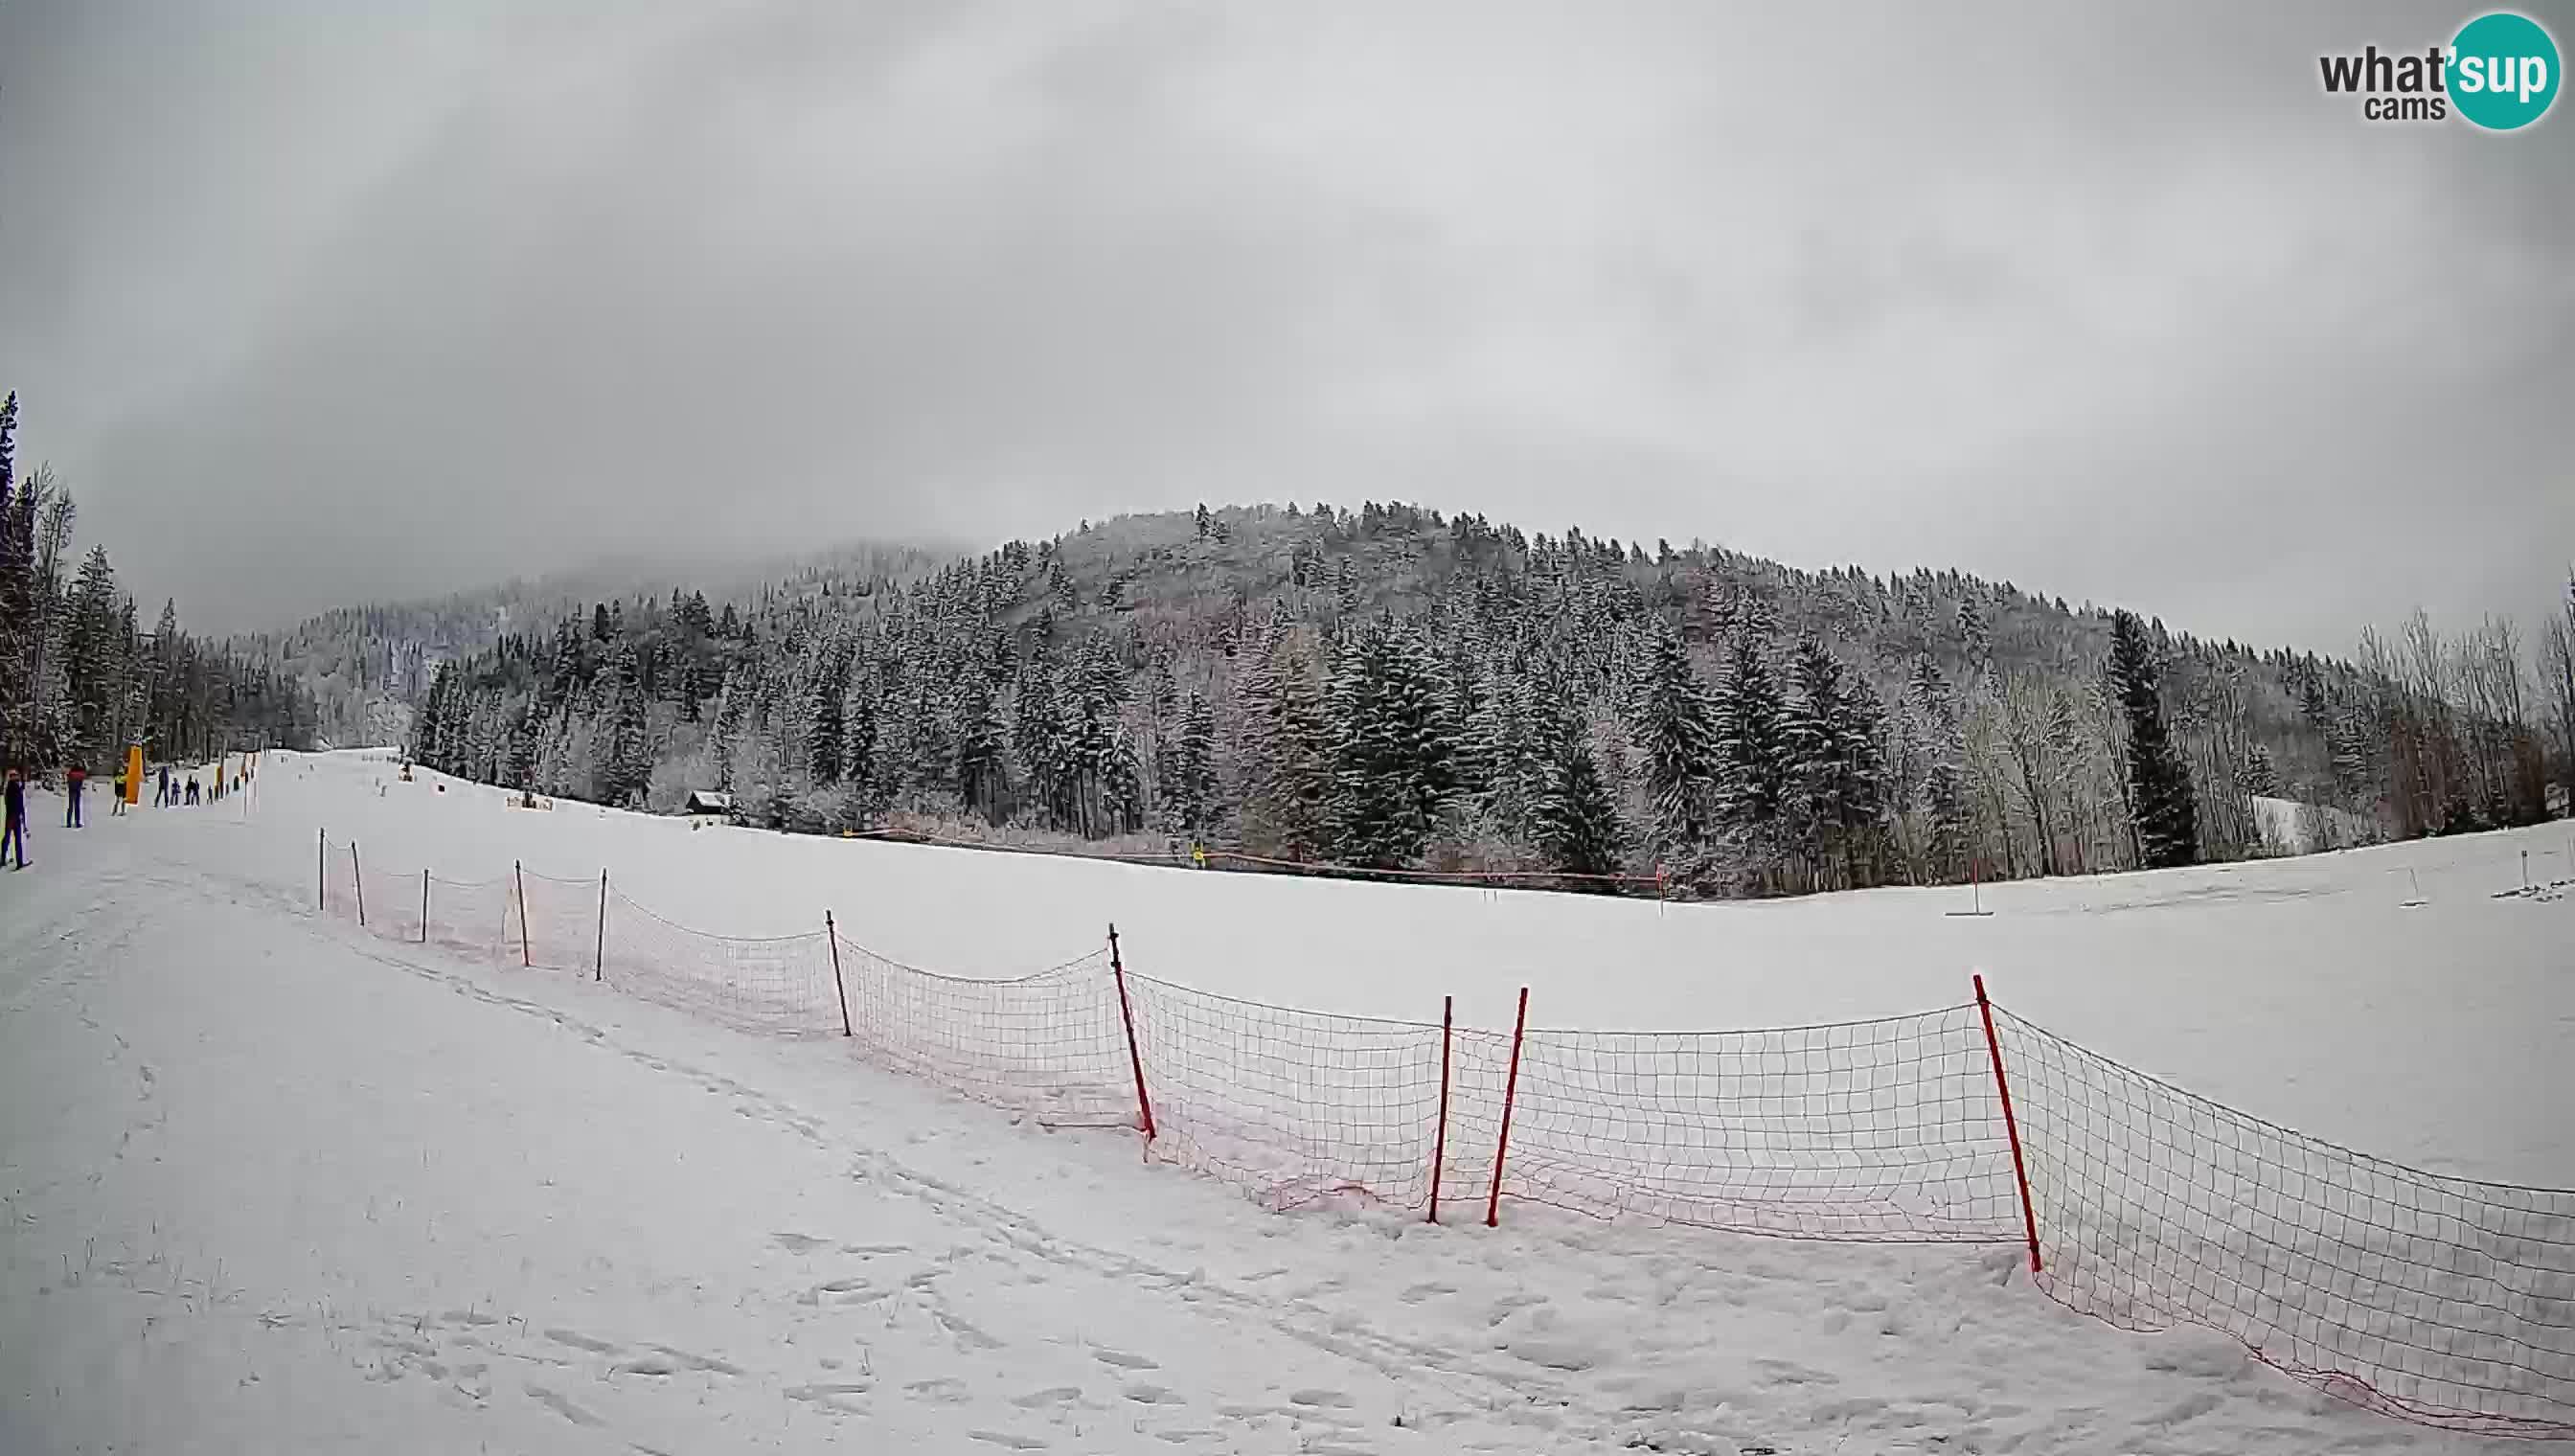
x: 1510, y: 1093
x: 833, y: 935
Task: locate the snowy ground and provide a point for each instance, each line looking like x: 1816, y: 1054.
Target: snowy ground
x: 272, y: 1186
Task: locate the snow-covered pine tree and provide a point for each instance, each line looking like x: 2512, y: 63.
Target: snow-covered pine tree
x: 625, y: 765
x: 1814, y: 725
x: 426, y: 747
x: 982, y: 746
x: 1752, y: 755
x: 1675, y: 721
x: 2259, y: 774
x: 90, y: 658
x: 1863, y: 797
x: 2158, y: 783
x: 827, y: 752
x: 1573, y: 820
x: 1944, y: 789
x: 1390, y: 759
x: 1285, y: 748
x: 1093, y: 748
x: 1196, y: 762
x: 1036, y: 732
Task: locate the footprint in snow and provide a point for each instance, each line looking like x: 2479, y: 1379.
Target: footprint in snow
x: 701, y: 1362
x: 554, y: 1401
x: 1320, y: 1398
x: 1155, y: 1395
x: 798, y: 1243
x: 1125, y: 1361
x: 830, y: 1394
x: 580, y: 1341
x: 1005, y: 1439
x: 1053, y: 1395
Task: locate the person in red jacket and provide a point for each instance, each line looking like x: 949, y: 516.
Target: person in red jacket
x: 73, y: 778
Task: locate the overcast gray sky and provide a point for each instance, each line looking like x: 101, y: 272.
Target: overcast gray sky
x: 313, y: 303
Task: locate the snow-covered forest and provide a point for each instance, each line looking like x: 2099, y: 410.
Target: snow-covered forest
x: 80, y: 680
x: 1394, y: 689
x: 367, y: 667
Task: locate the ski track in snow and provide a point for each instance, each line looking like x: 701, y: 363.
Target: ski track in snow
x: 273, y: 1185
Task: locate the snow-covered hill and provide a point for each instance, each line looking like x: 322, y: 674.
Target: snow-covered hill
x: 273, y: 1184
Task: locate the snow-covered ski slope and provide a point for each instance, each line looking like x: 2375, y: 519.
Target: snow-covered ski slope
x: 274, y: 1184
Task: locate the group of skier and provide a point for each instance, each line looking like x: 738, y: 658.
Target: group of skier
x: 165, y: 793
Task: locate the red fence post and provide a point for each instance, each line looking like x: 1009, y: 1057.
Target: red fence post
x: 424, y: 906
x: 598, y: 969
x: 1134, y: 1058
x: 1439, y: 1140
x: 358, y: 877
x: 834, y: 935
x: 1510, y: 1092
x: 519, y: 873
x: 2011, y: 1125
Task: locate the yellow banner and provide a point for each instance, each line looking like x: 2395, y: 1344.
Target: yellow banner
x: 134, y: 773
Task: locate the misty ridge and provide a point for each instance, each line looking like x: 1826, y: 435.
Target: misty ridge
x: 1394, y: 689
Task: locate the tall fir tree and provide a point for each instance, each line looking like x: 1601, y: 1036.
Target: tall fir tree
x: 982, y: 746
x: 1573, y: 820
x: 1675, y: 729
x: 2158, y: 780
x: 1752, y: 755
x: 1831, y: 729
x: 1944, y: 789
x: 1391, y: 759
x: 1195, y: 766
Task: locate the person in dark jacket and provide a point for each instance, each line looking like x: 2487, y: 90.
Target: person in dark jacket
x: 192, y: 789
x: 14, y: 832
x: 73, y: 779
x: 116, y: 806
x: 161, y: 796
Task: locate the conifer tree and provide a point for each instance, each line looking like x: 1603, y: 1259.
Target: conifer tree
x: 1676, y: 736
x: 2158, y: 783
x: 826, y: 699
x: 1391, y: 759
x: 1196, y: 764
x: 982, y: 739
x: 1830, y: 727
x: 1573, y: 820
x: 626, y: 763
x: 1752, y: 753
x: 91, y: 661
x: 1945, y: 791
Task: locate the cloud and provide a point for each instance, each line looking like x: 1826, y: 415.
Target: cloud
x: 2117, y: 309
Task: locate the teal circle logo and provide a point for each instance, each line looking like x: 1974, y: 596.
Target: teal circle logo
x: 2503, y: 71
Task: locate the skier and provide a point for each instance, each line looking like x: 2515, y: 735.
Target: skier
x: 73, y: 778
x: 116, y: 806
x: 14, y: 830
x: 161, y: 793
x: 192, y: 790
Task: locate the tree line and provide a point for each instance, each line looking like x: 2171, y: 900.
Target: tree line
x: 1391, y: 689
x: 80, y: 680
